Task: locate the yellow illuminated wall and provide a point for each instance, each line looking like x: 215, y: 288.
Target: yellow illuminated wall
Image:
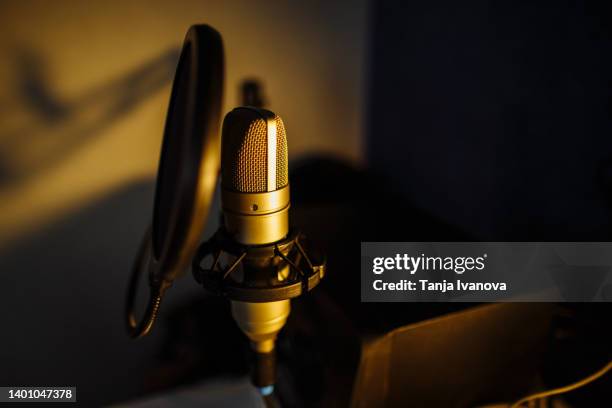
x: 84, y: 89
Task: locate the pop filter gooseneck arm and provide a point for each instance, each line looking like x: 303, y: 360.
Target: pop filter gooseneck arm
x: 142, y: 327
x: 187, y: 173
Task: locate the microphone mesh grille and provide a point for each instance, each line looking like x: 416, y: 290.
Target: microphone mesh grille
x: 282, y: 164
x: 244, y: 152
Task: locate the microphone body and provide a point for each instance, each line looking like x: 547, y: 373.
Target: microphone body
x: 255, y: 202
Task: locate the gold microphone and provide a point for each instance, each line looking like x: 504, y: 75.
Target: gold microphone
x: 255, y: 202
x: 267, y: 263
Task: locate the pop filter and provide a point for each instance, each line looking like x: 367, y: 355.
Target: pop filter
x: 187, y: 172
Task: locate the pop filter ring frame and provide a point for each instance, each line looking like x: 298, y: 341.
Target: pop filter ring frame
x: 187, y: 174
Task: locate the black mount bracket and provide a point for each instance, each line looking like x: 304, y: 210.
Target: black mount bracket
x: 305, y: 270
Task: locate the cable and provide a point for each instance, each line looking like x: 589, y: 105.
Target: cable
x: 565, y: 389
x: 269, y: 398
x: 263, y: 376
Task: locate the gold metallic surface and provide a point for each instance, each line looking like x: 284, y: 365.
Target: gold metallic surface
x: 255, y: 203
x: 255, y: 145
x: 258, y: 229
x: 261, y: 322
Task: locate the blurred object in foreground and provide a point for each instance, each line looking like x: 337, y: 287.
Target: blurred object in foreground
x: 485, y: 354
x: 229, y: 392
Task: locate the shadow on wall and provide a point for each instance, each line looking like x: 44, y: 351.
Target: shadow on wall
x: 62, y: 294
x: 63, y: 285
x: 54, y: 126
